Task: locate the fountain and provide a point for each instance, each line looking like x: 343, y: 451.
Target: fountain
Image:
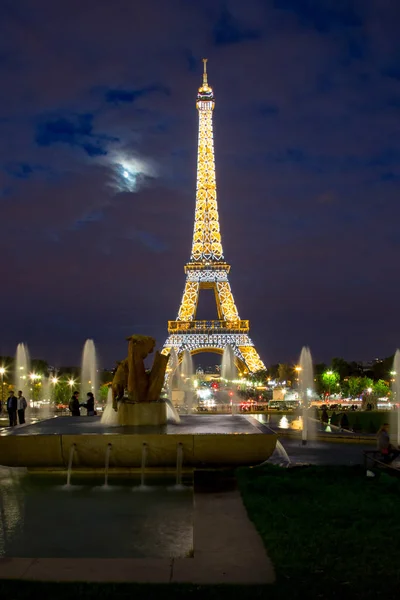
x: 229, y: 374
x: 185, y: 380
x: 70, y: 461
x: 395, y: 412
x: 306, y: 384
x: 89, y: 376
x: 107, y: 464
x: 22, y: 369
x: 143, y: 416
x: 172, y: 414
x: 45, y: 398
x: 109, y: 416
x: 228, y: 366
x: 172, y: 372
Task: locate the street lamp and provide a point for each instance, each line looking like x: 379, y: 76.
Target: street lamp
x: 329, y: 373
x: 2, y: 371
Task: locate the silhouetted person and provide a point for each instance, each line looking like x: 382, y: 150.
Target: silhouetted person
x: 344, y: 421
x: 325, y: 417
x: 12, y: 404
x: 389, y: 452
x: 90, y: 405
x: 74, y: 405
x: 21, y: 407
x: 334, y: 419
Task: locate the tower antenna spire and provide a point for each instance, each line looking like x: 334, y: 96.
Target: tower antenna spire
x: 205, y: 71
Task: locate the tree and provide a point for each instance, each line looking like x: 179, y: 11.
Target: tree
x: 330, y: 380
x: 340, y: 366
x: 285, y: 373
x: 357, y: 385
x: 380, y: 388
x: 273, y: 371
x: 40, y: 366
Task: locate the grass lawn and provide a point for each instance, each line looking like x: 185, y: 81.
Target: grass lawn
x: 331, y: 532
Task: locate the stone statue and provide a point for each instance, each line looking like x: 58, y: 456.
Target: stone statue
x: 120, y: 382
x: 131, y: 375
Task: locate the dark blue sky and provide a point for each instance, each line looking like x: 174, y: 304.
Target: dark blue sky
x: 307, y: 130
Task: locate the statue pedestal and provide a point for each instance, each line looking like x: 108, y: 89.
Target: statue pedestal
x: 142, y: 413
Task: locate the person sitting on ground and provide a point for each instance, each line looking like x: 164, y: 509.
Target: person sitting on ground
x: 74, y: 405
x: 90, y: 405
x: 388, y: 451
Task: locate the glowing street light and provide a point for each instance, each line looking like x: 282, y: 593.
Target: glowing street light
x: 2, y: 371
x: 71, y: 382
x: 54, y: 380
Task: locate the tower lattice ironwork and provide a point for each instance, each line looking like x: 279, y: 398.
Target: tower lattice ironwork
x: 207, y: 267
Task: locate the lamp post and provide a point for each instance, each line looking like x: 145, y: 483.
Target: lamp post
x: 329, y: 373
x: 2, y: 371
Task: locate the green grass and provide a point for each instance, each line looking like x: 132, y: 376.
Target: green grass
x: 328, y: 530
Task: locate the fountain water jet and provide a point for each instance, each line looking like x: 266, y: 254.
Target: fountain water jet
x: 109, y: 416
x: 229, y: 374
x: 306, y: 385
x: 185, y: 379
x: 71, y: 458
x: 172, y: 372
x: 22, y: 369
x: 107, y: 464
x: 89, y: 376
x: 172, y: 414
x: 228, y: 367
x: 45, y: 397
x: 283, y: 456
x: 395, y: 412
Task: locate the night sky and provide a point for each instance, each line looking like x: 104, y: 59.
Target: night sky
x: 307, y: 130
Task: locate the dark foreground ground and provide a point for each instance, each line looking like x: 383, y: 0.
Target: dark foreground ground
x: 330, y: 531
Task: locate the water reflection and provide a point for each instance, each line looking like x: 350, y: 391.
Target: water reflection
x: 11, y: 506
x: 86, y: 525
x: 284, y: 423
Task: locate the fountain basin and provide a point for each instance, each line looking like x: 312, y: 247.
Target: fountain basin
x: 207, y: 441
x: 143, y: 413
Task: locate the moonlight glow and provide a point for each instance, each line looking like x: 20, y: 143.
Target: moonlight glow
x: 128, y: 171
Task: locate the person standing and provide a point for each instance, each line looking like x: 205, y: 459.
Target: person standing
x: 74, y: 405
x: 12, y: 404
x: 21, y: 407
x: 90, y: 405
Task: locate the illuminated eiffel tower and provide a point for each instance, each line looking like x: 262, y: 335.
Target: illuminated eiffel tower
x: 207, y: 267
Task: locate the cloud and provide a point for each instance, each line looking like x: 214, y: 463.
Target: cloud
x: 118, y: 96
x: 19, y: 170
x: 229, y: 30
x: 73, y: 130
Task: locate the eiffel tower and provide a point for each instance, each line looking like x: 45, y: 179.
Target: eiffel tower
x: 207, y: 267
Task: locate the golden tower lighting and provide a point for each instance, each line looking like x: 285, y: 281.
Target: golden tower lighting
x: 207, y: 267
